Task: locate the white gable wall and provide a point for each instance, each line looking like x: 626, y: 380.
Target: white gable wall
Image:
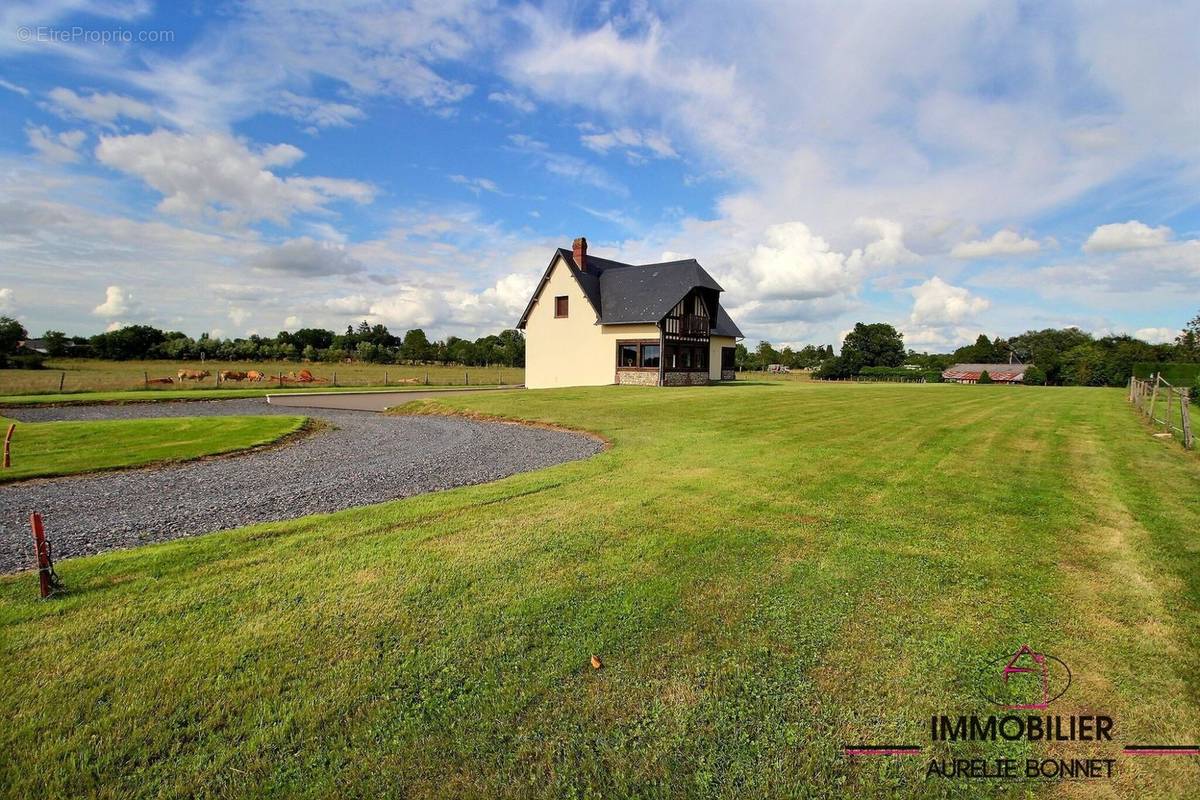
x: 575, y: 351
x: 714, y: 354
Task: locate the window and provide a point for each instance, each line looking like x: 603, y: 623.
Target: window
x: 627, y: 355
x: 686, y: 361
x: 560, y: 306
x: 650, y: 355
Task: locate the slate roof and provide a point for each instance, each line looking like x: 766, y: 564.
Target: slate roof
x: 638, y: 293
x: 726, y: 326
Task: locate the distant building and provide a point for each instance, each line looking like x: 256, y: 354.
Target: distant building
x: 999, y: 373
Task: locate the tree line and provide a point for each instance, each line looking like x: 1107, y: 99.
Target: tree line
x: 1058, y: 356
x: 373, y: 344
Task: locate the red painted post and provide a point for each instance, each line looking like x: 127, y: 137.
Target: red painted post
x: 7, y: 441
x: 43, y: 555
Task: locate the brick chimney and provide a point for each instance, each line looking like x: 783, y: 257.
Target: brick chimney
x: 580, y: 252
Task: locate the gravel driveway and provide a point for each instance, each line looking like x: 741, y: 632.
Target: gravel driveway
x: 366, y: 458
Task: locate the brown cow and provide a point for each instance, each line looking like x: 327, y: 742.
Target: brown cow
x: 254, y: 376
x: 192, y: 375
x: 162, y: 381
x: 232, y: 375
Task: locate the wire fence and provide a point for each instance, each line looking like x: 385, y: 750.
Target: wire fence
x: 1164, y: 405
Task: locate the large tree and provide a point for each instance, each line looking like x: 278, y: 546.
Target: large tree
x: 984, y: 351
x: 1046, y: 347
x: 1187, y: 343
x: 875, y: 345
x: 11, y: 332
x: 416, y: 346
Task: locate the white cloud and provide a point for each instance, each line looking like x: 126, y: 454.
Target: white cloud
x: 625, y: 72
x: 307, y: 258
x: 61, y: 147
x: 267, y: 48
x: 355, y: 304
x: 637, y: 145
x: 101, y: 108
x: 410, y: 307
x: 1002, y: 243
x: 115, y: 325
x: 517, y: 101
x: 318, y: 113
x: 572, y: 168
x: 477, y: 185
x: 12, y: 87
x: 216, y: 174
x: 116, y: 302
x: 1133, y: 281
x: 1132, y: 235
x: 1156, y: 335
x: 796, y: 264
x: 238, y: 315
x: 7, y: 300
x: 290, y: 322
x: 937, y: 303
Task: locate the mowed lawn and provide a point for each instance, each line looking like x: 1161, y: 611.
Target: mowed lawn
x: 46, y: 449
x: 769, y: 572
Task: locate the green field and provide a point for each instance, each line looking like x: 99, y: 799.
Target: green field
x: 153, y: 395
x: 769, y: 572
x: 46, y: 449
x: 96, y: 375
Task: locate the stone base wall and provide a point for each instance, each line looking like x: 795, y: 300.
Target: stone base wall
x: 637, y: 377
x: 685, y: 378
x: 728, y: 375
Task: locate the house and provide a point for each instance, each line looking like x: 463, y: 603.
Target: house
x: 999, y: 373
x: 33, y: 347
x: 593, y: 321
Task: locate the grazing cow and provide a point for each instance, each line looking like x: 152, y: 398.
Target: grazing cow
x: 254, y: 376
x: 232, y: 375
x: 192, y: 375
x: 163, y: 381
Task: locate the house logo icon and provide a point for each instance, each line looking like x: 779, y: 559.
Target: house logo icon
x: 1027, y: 680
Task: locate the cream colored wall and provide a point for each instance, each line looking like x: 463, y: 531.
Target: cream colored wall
x: 574, y: 351
x: 715, y: 344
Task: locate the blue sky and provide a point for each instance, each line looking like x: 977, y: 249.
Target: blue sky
x: 952, y: 168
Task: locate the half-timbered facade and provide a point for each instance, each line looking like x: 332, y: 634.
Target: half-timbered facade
x: 594, y: 321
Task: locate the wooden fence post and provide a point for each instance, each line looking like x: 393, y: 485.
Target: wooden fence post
x: 385, y: 377
x: 7, y: 441
x: 48, y: 582
x: 1185, y: 420
x: 62, y: 377
x: 1153, y: 399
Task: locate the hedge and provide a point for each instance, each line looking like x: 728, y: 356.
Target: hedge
x: 929, y: 375
x: 1174, y: 374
